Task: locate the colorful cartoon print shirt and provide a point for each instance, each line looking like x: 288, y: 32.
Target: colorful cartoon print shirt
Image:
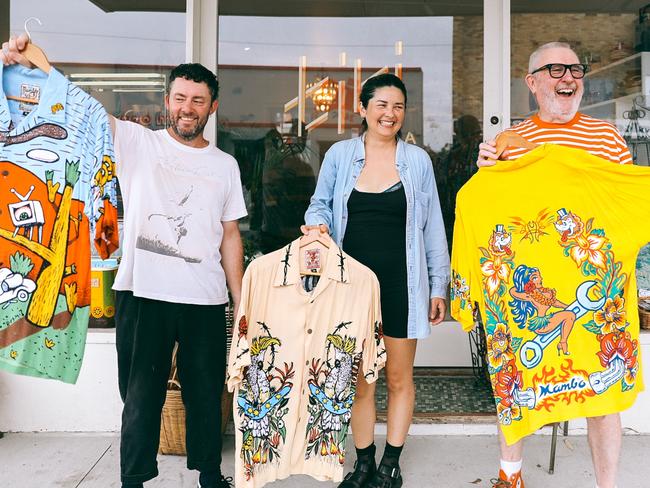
x: 294, y: 361
x: 57, y: 191
x: 546, y: 246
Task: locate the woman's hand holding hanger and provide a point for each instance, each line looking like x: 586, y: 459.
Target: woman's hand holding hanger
x: 309, y: 230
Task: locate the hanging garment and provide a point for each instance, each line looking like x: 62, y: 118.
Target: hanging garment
x: 547, y: 245
x: 57, y: 189
x: 294, y: 362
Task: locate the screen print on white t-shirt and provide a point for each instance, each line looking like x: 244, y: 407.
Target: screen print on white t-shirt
x: 175, y: 200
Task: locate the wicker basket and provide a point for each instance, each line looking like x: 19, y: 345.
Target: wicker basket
x: 644, y: 315
x: 172, y: 421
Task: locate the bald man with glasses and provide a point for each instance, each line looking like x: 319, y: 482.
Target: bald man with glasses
x: 555, y: 78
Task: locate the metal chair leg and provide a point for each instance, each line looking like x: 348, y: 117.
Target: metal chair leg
x: 551, y: 463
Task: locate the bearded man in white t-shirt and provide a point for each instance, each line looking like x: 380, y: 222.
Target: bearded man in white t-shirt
x: 182, y: 198
x: 181, y: 246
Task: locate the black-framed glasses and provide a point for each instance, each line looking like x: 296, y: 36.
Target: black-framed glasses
x: 557, y: 70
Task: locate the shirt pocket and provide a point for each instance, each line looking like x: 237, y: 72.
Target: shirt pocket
x: 421, y: 208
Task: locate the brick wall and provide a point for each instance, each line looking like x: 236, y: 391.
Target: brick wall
x: 589, y: 34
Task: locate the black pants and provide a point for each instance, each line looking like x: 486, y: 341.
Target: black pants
x: 145, y: 337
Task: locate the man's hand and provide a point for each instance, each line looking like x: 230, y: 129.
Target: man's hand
x: 11, y: 54
x: 235, y: 309
x: 11, y: 51
x: 487, y: 151
x: 232, y: 260
x: 310, y: 229
x: 437, y: 309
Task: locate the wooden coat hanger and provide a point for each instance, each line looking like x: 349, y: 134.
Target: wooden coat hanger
x: 34, y: 53
x: 37, y: 57
x: 322, y: 240
x: 509, y: 138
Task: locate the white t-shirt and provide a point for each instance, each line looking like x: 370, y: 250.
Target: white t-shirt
x: 175, y: 199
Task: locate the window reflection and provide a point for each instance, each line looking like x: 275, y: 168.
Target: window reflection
x: 259, y: 74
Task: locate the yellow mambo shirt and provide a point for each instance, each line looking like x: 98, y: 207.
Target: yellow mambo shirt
x: 545, y: 249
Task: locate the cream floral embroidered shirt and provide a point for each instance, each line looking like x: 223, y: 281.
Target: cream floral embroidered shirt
x: 294, y: 362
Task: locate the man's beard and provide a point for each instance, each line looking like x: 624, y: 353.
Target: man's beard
x: 189, y: 134
x: 558, y: 108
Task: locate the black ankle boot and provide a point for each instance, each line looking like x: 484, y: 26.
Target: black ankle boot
x: 364, y: 469
x: 386, y: 477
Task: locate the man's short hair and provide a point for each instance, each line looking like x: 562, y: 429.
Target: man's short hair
x: 533, y: 60
x: 198, y: 73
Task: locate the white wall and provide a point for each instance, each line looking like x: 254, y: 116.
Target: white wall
x: 94, y: 404
x: 448, y: 346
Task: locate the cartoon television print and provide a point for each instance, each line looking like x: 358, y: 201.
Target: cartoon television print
x: 27, y: 214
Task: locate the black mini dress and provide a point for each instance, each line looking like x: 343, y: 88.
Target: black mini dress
x: 375, y: 235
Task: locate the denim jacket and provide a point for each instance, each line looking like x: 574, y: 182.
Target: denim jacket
x: 427, y: 257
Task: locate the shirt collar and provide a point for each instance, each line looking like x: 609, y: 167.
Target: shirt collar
x: 288, y: 272
x: 5, y: 117
x: 359, y: 153
x: 52, y: 105
x: 400, y: 154
x: 359, y: 149
x: 54, y: 100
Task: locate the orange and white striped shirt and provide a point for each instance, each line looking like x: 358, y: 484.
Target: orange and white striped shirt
x: 596, y: 136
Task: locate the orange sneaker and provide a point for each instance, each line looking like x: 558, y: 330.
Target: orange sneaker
x: 514, y: 481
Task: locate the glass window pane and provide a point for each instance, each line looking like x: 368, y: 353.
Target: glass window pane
x: 614, y: 46
x: 122, y: 59
x: 440, y: 61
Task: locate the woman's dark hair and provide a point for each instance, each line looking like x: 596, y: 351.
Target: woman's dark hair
x: 380, y: 81
x: 199, y: 74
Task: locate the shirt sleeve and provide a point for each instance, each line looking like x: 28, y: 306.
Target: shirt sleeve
x: 624, y: 156
x: 463, y: 288
x: 634, y: 195
x: 320, y: 209
x: 126, y: 133
x: 234, y: 207
x: 239, y: 357
x: 102, y: 208
x: 374, y: 351
x: 435, y: 239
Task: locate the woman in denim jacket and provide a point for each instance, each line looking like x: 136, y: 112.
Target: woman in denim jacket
x: 377, y: 196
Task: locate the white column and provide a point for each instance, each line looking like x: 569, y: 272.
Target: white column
x: 496, y: 67
x: 202, y: 42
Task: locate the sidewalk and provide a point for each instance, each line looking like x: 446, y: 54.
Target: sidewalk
x: 92, y: 461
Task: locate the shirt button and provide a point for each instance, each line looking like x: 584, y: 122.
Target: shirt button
x: 309, y: 331
x: 306, y: 363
